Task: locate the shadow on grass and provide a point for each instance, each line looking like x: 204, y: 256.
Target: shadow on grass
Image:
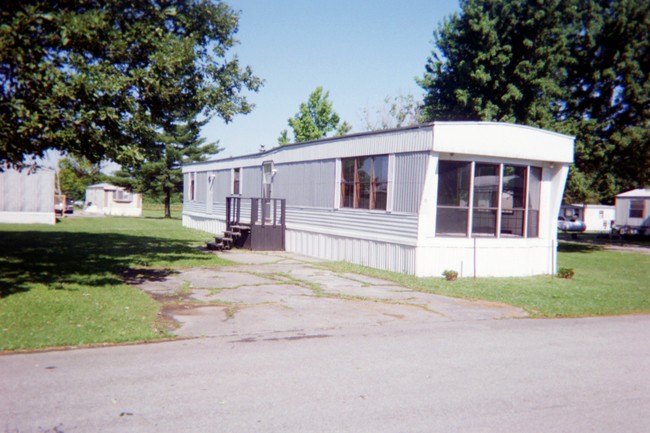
x: 64, y: 259
x: 575, y: 247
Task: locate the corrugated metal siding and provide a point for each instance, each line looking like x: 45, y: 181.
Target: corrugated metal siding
x: 309, y: 183
x: 193, y: 206
x: 221, y: 186
x: 251, y: 181
x: 201, y: 186
x: 380, y: 226
x: 24, y: 192
x: 410, y: 175
x: 205, y: 223
x: 375, y: 254
x: 378, y: 143
x: 376, y: 239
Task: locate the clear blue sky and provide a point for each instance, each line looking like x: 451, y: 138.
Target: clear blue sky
x: 359, y: 50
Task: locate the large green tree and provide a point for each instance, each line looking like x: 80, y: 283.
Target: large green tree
x: 160, y: 174
x: 573, y: 66
x: 100, y: 78
x: 314, y: 120
x: 75, y: 175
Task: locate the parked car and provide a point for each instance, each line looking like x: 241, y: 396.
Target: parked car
x: 63, y: 206
x: 571, y: 226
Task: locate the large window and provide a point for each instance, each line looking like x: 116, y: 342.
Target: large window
x: 364, y: 182
x: 453, y: 198
x: 513, y: 200
x: 487, y: 179
x: 123, y: 195
x: 636, y: 209
x: 504, y: 199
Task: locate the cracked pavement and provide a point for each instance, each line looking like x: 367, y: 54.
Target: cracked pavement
x: 284, y: 292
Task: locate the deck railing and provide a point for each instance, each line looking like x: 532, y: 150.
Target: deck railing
x: 267, y: 220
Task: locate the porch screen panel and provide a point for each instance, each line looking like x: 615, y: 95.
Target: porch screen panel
x: 534, y: 192
x: 453, y: 198
x: 486, y: 193
x: 513, y: 200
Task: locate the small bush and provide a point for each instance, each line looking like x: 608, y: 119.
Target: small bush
x: 566, y: 273
x: 450, y: 275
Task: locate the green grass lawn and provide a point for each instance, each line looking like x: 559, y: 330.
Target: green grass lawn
x: 64, y: 284
x: 605, y: 283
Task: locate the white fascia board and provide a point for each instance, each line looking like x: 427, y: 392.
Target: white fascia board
x: 504, y: 140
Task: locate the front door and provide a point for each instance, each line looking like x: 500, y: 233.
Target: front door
x: 267, y: 182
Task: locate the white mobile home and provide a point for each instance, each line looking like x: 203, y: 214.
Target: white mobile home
x: 480, y: 198
x: 27, y: 196
x: 107, y: 199
x: 633, y: 211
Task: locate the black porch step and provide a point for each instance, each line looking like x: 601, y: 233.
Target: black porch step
x: 214, y: 246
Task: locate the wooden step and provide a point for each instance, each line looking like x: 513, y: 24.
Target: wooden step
x: 232, y: 234
x: 240, y: 227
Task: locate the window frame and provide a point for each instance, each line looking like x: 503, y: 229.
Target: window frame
x: 123, y: 196
x: 636, y: 211
x: 351, y: 190
x: 472, y: 207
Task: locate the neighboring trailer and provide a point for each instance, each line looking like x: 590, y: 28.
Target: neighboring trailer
x: 480, y: 198
x: 107, y: 199
x: 27, y: 196
x: 633, y: 212
x: 597, y: 217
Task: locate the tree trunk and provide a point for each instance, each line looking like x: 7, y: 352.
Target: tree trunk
x: 168, y: 202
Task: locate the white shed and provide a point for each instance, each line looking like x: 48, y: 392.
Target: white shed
x: 480, y: 198
x: 107, y: 199
x: 633, y: 211
x: 27, y: 196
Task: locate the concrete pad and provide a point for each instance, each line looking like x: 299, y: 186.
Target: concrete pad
x: 282, y: 292
x: 274, y: 293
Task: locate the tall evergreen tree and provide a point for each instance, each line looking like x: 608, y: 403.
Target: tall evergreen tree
x: 160, y: 174
x: 573, y: 66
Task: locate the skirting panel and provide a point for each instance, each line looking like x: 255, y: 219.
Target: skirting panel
x: 489, y: 260
x: 204, y: 223
x: 374, y: 254
x: 27, y: 218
